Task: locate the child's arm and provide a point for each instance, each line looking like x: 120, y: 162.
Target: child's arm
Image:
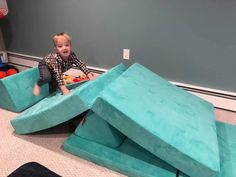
x: 61, y: 82
x: 81, y: 66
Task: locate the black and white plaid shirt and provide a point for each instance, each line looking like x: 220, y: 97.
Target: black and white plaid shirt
x: 57, y: 65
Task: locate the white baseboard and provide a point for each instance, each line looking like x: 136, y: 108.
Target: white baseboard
x: 219, y: 98
x: 22, y: 62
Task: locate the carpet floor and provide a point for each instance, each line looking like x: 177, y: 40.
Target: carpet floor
x: 45, y: 147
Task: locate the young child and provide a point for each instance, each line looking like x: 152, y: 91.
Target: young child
x: 51, y: 68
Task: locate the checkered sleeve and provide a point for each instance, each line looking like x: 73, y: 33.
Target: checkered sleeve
x: 59, y: 76
x: 80, y: 64
x: 55, y: 66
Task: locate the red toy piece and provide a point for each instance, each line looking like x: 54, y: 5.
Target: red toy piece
x: 3, y: 74
x: 76, y: 79
x: 1, y: 15
x: 11, y: 71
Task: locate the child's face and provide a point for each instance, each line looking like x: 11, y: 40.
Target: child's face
x: 63, y: 47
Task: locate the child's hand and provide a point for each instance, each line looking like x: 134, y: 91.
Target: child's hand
x: 36, y: 90
x: 65, y: 91
x: 91, y: 76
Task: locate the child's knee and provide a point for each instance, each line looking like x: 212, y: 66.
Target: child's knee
x: 44, y: 80
x: 47, y: 78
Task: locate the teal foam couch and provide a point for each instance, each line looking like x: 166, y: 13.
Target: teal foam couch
x: 166, y: 121
x: 101, y: 143
x: 172, y: 124
x: 139, y: 124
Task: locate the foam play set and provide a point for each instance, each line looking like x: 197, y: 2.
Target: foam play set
x: 137, y: 123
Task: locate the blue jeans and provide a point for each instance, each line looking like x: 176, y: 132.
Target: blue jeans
x: 46, y: 77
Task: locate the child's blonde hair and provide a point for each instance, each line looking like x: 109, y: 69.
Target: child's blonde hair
x: 62, y: 34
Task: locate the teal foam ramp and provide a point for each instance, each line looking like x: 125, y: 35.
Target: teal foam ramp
x: 170, y: 123
x: 49, y: 112
x: 227, y: 145
x: 16, y: 90
x: 101, y: 143
x: 57, y: 108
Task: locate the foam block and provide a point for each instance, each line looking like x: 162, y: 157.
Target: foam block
x: 49, y: 112
x: 90, y: 91
x: 97, y: 130
x: 99, y: 142
x: 227, y: 145
x: 172, y: 124
x: 57, y: 108
x: 226, y: 134
x: 16, y: 90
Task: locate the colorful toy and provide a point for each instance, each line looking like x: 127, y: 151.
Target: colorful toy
x: 3, y: 74
x: 11, y: 72
x: 3, y: 8
x: 1, y: 15
x: 72, y: 79
x: 77, y: 79
x: 68, y: 79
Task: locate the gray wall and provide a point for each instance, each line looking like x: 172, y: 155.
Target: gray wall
x: 185, y: 41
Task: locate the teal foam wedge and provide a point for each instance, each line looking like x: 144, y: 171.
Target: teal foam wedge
x: 57, y: 108
x: 99, y: 142
x: 17, y: 90
x: 174, y: 125
x: 227, y: 145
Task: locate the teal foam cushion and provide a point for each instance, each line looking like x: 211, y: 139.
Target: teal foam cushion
x: 99, y: 142
x: 182, y: 175
x: 51, y: 111
x: 227, y: 145
x: 169, y: 122
x: 90, y: 91
x: 97, y: 130
x: 118, y: 159
x: 226, y: 134
x: 57, y: 108
x: 17, y: 90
